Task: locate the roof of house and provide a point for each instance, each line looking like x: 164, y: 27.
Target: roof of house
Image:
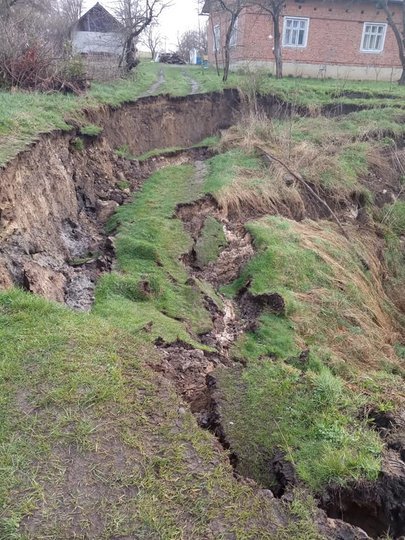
x: 97, y: 19
x: 207, y: 5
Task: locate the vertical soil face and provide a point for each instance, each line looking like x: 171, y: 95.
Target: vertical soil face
x: 163, y: 122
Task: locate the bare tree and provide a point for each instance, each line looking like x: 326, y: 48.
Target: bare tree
x: 214, y: 41
x: 70, y: 10
x: 399, y: 31
x: 275, y: 9
x: 152, y: 39
x: 135, y: 16
x: 232, y: 8
x: 189, y: 40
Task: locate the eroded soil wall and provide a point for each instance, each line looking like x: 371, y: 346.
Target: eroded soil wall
x: 56, y: 196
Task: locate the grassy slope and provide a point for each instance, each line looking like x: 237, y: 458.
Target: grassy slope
x: 149, y: 247
x: 93, y: 439
x: 335, y: 308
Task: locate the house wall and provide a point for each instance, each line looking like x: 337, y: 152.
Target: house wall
x: 97, y: 42
x: 333, y: 48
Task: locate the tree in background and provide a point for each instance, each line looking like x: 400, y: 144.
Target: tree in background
x: 65, y: 14
x: 192, y: 39
x: 70, y: 10
x: 135, y: 16
x: 152, y: 39
x: 399, y: 31
x: 232, y: 8
x: 274, y: 8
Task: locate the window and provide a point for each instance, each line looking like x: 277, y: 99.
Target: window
x: 217, y: 38
x: 295, y: 32
x: 373, y: 37
x: 234, y: 34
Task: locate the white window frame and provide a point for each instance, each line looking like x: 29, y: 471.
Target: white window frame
x: 363, y: 35
x: 306, y: 31
x: 234, y: 35
x: 217, y: 38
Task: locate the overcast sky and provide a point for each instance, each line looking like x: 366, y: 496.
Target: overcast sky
x: 181, y: 16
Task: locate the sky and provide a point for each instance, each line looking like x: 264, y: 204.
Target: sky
x: 182, y: 15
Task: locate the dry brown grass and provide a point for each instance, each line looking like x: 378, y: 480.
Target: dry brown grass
x: 255, y: 193
x: 361, y: 301
x: 316, y: 151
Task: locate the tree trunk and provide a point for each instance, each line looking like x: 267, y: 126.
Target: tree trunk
x: 400, y: 38
x: 215, y: 45
x: 130, y: 60
x: 277, y: 45
x: 227, y: 58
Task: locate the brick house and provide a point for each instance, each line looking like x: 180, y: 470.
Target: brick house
x: 320, y: 38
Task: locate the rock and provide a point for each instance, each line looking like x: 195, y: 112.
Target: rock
x: 267, y: 493
x: 335, y: 529
x: 105, y: 209
x: 43, y: 281
x: 80, y: 292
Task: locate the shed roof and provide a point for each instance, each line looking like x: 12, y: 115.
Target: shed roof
x: 98, y: 19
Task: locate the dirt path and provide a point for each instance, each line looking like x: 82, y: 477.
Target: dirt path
x: 195, y: 86
x: 156, y: 85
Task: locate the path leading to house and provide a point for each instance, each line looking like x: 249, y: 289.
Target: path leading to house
x: 195, y: 86
x: 154, y: 89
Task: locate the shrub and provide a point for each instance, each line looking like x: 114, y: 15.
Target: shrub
x: 91, y: 130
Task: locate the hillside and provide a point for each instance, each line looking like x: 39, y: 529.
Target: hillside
x: 202, y: 311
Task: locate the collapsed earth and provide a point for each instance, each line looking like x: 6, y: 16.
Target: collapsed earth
x: 202, y: 319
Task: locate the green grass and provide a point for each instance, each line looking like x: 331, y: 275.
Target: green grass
x: 151, y: 285
x: 88, y: 440
x: 210, y: 243
x: 91, y: 130
x: 304, y: 407
x: 223, y: 168
x: 307, y: 414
